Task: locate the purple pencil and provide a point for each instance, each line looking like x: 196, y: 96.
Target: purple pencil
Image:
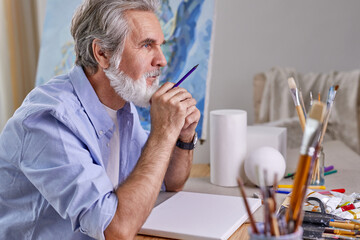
x: 184, y: 77
x: 328, y: 168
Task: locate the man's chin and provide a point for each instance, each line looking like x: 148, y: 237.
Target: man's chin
x: 142, y: 104
x: 151, y: 81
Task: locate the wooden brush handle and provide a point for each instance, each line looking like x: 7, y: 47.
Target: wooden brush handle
x: 342, y: 225
x: 297, y: 195
x: 252, y: 221
x: 323, y: 130
x: 300, y: 113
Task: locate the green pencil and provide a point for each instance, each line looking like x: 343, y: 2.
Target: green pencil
x: 330, y: 172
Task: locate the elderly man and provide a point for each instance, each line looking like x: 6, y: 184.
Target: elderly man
x: 75, y: 162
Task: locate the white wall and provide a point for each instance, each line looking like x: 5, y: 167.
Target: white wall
x: 254, y: 35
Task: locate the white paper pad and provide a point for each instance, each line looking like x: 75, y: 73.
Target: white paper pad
x: 189, y: 215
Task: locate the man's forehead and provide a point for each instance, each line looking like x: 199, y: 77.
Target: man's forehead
x: 143, y: 25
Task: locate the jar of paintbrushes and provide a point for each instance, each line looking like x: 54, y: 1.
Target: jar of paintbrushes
x: 318, y: 160
x: 274, y: 225
x: 297, y: 235
x: 317, y: 177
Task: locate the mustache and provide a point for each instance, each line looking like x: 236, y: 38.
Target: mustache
x: 154, y: 73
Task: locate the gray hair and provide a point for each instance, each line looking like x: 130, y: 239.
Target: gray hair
x: 104, y: 20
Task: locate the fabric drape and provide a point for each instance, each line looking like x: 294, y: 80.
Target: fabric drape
x: 20, y: 42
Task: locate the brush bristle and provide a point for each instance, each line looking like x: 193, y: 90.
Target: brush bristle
x: 317, y: 111
x: 291, y: 82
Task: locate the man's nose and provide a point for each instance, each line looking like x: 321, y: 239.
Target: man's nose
x: 159, y: 59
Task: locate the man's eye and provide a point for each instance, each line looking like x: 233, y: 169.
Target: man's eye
x: 146, y: 45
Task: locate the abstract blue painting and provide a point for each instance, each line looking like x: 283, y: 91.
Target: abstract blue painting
x: 187, y: 26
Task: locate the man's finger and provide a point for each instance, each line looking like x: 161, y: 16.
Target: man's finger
x: 192, y: 118
x: 164, y: 88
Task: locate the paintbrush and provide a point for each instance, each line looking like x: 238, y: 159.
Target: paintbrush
x: 329, y: 104
x: 317, y: 232
x: 267, y: 215
x: 342, y: 231
x: 252, y: 221
x: 274, y: 226
x: 302, y: 103
x: 295, y: 96
x: 338, y: 236
x: 307, y: 151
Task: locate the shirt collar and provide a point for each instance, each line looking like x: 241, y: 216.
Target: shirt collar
x: 90, y: 101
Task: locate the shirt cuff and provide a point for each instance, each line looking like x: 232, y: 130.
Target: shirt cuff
x: 163, y: 187
x: 94, y: 221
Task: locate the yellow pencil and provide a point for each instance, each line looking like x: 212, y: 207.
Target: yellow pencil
x: 310, y: 187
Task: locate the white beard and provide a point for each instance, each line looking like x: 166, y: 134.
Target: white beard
x: 131, y: 90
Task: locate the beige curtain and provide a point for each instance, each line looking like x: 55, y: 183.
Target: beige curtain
x: 20, y: 43
x: 5, y: 82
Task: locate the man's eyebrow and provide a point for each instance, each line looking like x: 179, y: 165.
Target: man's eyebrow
x: 147, y: 41
x: 150, y: 41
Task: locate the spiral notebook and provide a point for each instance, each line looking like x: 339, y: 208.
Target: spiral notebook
x: 188, y: 215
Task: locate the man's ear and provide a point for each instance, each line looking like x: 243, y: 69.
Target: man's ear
x: 100, y: 56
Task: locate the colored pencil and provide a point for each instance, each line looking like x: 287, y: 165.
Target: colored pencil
x: 184, y: 77
x: 330, y: 172
x: 310, y: 187
x: 328, y: 168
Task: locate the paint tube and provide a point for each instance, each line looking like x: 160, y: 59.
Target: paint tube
x: 337, y: 194
x: 321, y: 197
x: 351, y: 214
x: 332, y: 204
x: 355, y: 196
x: 347, y: 199
x: 347, y: 208
x: 311, y: 208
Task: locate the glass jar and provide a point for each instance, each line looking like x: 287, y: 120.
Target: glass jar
x: 260, y: 226
x: 317, y: 177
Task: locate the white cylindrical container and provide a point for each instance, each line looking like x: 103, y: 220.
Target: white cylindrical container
x: 227, y: 146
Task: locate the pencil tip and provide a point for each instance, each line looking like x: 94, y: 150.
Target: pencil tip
x: 196, y: 66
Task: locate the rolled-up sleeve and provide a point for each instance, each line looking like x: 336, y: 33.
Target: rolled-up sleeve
x: 62, y: 168
x: 94, y: 221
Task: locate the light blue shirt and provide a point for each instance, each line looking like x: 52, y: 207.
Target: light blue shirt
x: 53, y: 156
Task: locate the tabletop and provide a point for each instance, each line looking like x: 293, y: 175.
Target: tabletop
x: 346, y: 161
x: 203, y: 171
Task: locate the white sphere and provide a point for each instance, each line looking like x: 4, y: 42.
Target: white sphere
x: 267, y: 158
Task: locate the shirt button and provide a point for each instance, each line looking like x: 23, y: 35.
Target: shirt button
x: 101, y: 132
x: 108, y: 144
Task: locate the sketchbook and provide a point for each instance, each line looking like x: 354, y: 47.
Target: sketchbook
x: 197, y: 216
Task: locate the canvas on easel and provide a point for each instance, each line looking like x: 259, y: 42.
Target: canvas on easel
x: 188, y: 31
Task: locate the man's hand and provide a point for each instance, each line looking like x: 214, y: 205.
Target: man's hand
x: 174, y: 113
x: 188, y: 131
